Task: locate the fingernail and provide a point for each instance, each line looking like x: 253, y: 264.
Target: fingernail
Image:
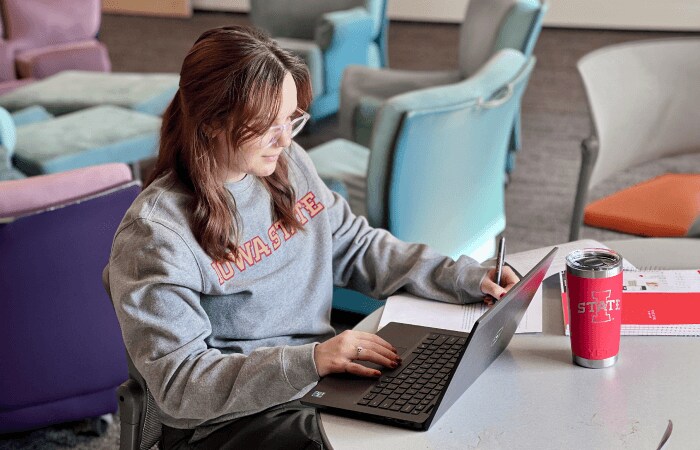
x: 502, y: 295
x: 394, y: 364
x: 377, y: 373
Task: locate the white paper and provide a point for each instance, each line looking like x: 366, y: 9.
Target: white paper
x: 654, y: 281
x: 525, y: 261
x: 407, y: 308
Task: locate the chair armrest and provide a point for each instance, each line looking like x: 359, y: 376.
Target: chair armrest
x: 90, y: 55
x: 344, y: 38
x: 363, y: 87
x: 130, y: 396
x: 336, y: 26
x: 521, y: 26
x: 33, y: 194
x: 312, y: 56
x: 385, y: 83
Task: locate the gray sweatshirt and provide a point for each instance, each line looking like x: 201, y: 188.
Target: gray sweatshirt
x: 215, y: 341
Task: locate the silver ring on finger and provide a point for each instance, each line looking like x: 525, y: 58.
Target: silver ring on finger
x: 359, y: 350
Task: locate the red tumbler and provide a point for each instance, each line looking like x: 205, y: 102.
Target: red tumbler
x: 594, y: 287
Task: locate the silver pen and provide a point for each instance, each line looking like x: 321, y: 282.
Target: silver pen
x: 500, y: 257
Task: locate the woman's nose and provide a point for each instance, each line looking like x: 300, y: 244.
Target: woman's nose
x: 285, y: 138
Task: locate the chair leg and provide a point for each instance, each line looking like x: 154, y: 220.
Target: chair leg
x: 589, y: 154
x: 136, y: 170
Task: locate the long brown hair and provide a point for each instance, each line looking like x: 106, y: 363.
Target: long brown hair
x: 231, y: 79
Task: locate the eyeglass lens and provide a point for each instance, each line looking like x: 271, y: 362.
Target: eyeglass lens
x: 293, y: 128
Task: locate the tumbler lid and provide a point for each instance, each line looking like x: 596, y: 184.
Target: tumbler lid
x: 594, y: 263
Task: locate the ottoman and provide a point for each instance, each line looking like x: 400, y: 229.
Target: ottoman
x: 73, y: 90
x: 97, y: 135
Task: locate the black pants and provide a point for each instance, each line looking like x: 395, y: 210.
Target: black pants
x: 287, y: 426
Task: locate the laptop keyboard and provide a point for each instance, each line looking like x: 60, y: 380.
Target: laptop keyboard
x: 418, y: 385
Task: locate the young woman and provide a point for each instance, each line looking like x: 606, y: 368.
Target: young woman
x: 222, y: 270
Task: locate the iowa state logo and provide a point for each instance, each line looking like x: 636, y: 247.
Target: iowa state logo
x: 252, y: 251
x: 600, y: 306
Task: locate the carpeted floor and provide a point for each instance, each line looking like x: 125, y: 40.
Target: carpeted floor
x: 540, y: 195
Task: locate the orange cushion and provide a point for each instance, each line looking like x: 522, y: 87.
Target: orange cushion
x: 663, y: 206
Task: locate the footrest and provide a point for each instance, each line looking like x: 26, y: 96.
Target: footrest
x: 98, y: 135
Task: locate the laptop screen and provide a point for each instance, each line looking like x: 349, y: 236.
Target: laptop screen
x: 493, y: 332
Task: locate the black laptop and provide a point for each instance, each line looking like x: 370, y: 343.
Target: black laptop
x: 438, y: 365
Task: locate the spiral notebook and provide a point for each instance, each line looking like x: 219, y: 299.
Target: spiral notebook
x: 654, y: 302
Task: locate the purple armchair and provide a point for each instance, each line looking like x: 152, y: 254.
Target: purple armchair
x: 62, y: 355
x: 43, y: 37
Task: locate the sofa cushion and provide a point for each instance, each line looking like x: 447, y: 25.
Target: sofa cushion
x: 92, y: 136
x: 345, y: 163
x: 666, y: 205
x: 72, y: 90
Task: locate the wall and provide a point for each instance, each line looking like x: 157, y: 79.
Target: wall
x: 171, y: 8
x: 613, y: 14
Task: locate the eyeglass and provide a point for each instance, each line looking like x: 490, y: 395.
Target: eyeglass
x: 275, y: 133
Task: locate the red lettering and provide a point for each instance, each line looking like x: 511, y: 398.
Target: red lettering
x: 224, y: 272
x: 297, y: 211
x: 272, y: 234
x: 251, y: 252
x: 244, y: 256
x: 260, y: 248
x: 309, y: 203
x: 280, y: 226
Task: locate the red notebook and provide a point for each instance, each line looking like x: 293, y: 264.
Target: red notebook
x: 655, y: 302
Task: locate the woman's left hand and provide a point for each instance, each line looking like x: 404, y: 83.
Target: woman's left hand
x: 492, y: 290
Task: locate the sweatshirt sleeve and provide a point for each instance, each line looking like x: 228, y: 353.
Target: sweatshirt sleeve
x: 375, y: 263
x: 155, y: 283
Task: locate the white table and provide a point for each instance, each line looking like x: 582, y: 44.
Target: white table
x: 533, y: 397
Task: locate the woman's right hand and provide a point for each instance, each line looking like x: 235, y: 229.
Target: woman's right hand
x: 339, y: 354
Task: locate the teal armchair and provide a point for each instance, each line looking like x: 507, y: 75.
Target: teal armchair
x: 433, y: 172
x: 488, y: 26
x: 329, y: 35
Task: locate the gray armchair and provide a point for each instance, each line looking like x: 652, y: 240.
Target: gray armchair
x: 329, y: 35
x: 643, y: 99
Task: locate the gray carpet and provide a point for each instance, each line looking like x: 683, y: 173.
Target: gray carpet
x: 540, y: 195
